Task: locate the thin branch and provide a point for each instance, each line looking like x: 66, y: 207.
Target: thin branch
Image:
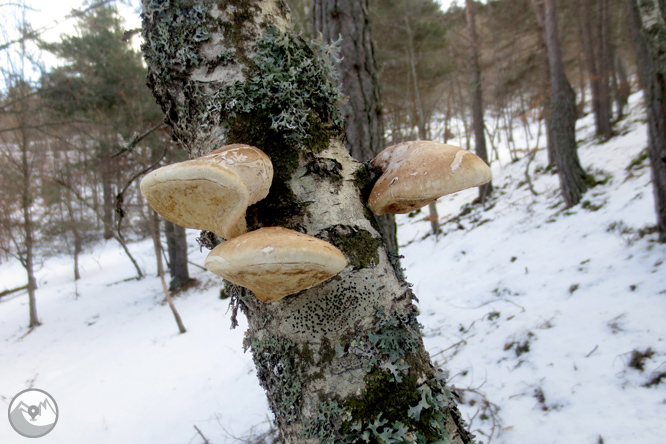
x: 135, y: 139
x: 120, y: 197
x: 202, y: 435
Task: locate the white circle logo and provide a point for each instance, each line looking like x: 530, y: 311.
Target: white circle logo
x: 33, y: 413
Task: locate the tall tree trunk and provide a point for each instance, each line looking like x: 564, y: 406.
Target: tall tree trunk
x: 420, y: 118
x: 562, y: 113
x: 585, y: 28
x: 364, y: 125
x: 348, y: 20
x: 28, y: 228
x: 78, y: 241
x: 341, y: 358
x: 177, y: 250
x: 108, y: 198
x: 477, y: 96
x: 545, y: 113
x: 623, y: 86
x: 605, y: 67
x: 27, y: 256
x: 647, y: 23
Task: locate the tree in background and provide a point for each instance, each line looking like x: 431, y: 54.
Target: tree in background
x: 100, y: 95
x: 413, y: 35
x: 562, y: 112
x: 348, y: 21
x: 19, y: 182
x: 343, y: 361
x: 647, y: 20
x: 99, y: 85
x: 21, y: 153
x: 477, y: 95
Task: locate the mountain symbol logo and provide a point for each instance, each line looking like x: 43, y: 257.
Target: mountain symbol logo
x: 33, y: 413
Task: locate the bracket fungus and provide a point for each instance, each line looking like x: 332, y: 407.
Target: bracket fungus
x: 275, y: 262
x: 213, y: 191
x: 419, y: 172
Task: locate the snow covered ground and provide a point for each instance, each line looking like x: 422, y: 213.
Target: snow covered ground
x: 551, y: 322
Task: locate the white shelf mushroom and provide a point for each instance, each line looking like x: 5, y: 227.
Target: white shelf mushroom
x: 419, y: 172
x: 211, y: 192
x: 275, y: 262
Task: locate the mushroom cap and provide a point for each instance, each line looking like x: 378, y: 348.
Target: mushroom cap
x: 275, y: 262
x: 211, y: 192
x: 419, y: 172
x: 253, y: 167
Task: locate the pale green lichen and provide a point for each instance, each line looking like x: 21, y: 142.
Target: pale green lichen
x: 394, y: 407
x: 277, y: 361
x: 292, y: 84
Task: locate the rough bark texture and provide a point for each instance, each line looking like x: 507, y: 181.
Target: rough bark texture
x: 348, y: 21
x: 562, y: 116
x: 648, y: 26
x: 364, y: 127
x: 477, y: 95
x: 345, y: 359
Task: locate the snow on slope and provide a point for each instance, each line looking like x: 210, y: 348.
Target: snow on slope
x: 533, y: 309
x: 114, y: 361
x: 538, y: 308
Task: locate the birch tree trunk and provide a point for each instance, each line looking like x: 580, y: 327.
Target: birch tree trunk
x: 344, y: 360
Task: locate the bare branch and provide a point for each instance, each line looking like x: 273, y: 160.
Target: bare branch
x: 135, y: 139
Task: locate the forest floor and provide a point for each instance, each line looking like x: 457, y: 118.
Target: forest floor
x: 549, y: 321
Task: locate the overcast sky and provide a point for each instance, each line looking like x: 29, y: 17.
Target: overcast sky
x: 53, y: 13
x: 51, y: 18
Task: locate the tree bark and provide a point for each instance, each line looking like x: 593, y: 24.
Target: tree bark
x: 344, y: 359
x: 562, y: 113
x: 348, y: 20
x: 177, y: 250
x: 477, y: 96
x: 647, y: 23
